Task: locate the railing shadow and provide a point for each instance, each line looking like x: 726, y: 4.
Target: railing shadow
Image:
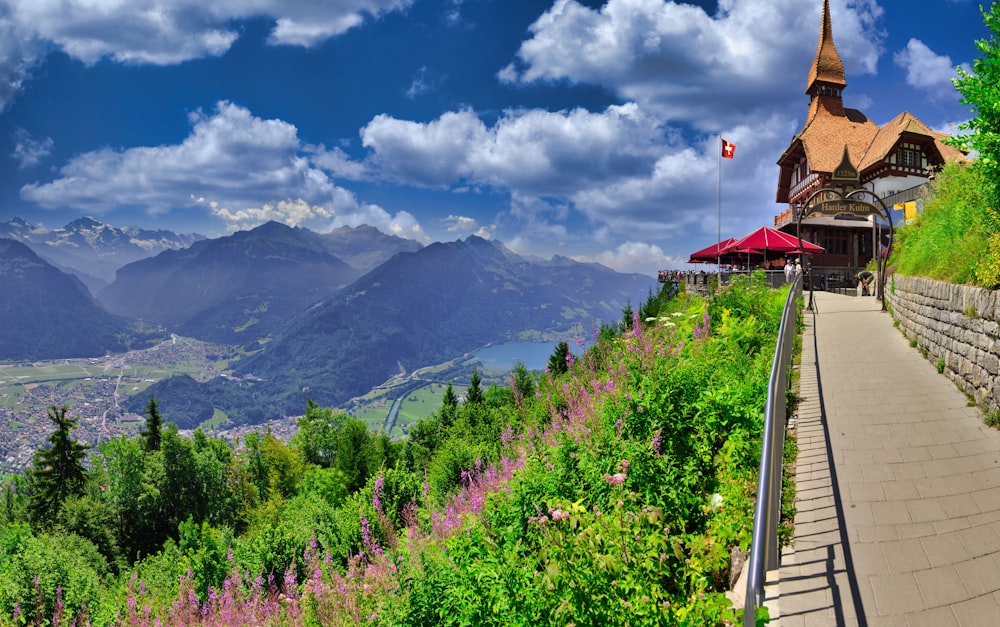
x: 764, y: 546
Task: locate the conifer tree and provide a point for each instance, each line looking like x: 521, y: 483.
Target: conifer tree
x: 474, y: 395
x: 151, y: 434
x: 449, y: 407
x: 628, y: 317
x: 57, y: 472
x: 557, y: 361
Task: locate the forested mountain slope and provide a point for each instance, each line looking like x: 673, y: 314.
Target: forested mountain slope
x: 47, y: 314
x: 234, y: 289
x: 435, y: 304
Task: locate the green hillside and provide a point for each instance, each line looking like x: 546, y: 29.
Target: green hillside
x: 609, y: 494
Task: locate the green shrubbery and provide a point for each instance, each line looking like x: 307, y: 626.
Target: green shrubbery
x: 957, y: 236
x: 611, y: 493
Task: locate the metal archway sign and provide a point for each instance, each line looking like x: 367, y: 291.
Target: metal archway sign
x: 833, y: 202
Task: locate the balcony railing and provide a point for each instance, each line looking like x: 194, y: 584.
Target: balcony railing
x: 764, y: 545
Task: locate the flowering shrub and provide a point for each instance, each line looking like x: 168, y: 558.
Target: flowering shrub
x: 613, y: 494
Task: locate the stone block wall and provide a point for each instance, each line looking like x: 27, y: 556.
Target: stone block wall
x: 954, y: 323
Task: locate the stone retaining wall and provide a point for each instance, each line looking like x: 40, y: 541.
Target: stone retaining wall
x: 954, y: 323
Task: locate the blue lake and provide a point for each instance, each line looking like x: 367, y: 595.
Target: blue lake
x: 503, y: 357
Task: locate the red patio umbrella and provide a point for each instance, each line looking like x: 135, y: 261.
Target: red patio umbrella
x: 772, y: 240
x: 733, y: 254
x: 710, y: 254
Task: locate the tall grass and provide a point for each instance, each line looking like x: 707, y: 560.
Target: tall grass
x: 957, y: 237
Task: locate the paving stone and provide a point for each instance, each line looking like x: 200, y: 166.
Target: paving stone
x: 941, y: 586
x: 980, y: 575
x: 935, y: 617
x: 904, y: 556
x: 982, y: 540
x: 983, y: 611
x: 896, y: 594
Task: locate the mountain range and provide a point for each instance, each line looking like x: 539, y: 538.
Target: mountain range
x: 48, y: 314
x: 426, y: 307
x: 318, y: 316
x: 240, y: 289
x: 229, y: 290
x: 91, y: 250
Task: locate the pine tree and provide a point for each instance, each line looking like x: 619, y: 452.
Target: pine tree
x: 628, y: 317
x: 558, y: 360
x: 475, y: 393
x: 449, y: 407
x: 57, y: 472
x: 151, y: 434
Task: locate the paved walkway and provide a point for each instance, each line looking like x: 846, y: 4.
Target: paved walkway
x: 898, y: 484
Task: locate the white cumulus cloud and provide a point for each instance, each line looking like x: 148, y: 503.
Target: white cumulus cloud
x: 710, y: 71
x: 21, y: 50
x: 633, y: 257
x: 29, y: 151
x: 239, y: 161
x: 160, y: 32
x: 343, y: 210
x: 925, y: 69
x: 530, y: 150
x: 460, y: 224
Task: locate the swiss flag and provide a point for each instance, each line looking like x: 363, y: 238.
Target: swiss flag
x: 728, y: 149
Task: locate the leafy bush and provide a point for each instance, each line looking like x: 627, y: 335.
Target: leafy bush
x: 614, y: 493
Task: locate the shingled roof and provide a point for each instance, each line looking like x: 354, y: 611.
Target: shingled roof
x: 906, y: 123
x: 829, y: 126
x: 827, y: 66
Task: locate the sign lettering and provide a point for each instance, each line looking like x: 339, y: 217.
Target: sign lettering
x: 845, y: 207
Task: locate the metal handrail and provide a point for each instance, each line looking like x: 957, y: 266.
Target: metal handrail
x: 767, y: 511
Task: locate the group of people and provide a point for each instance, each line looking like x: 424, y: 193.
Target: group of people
x: 792, y: 269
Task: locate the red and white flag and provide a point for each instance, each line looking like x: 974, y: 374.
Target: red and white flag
x: 728, y: 149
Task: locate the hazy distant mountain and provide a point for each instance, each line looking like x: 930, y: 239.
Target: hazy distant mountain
x: 364, y: 247
x: 93, y: 248
x: 432, y: 305
x: 233, y: 289
x: 48, y: 314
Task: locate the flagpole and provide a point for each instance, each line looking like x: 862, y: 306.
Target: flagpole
x: 718, y: 245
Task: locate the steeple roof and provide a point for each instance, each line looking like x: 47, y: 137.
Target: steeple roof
x: 827, y: 66
x: 831, y: 128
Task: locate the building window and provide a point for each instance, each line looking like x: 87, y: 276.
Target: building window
x: 909, y: 155
x: 833, y: 240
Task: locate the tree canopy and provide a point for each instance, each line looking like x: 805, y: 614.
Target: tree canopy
x: 980, y: 89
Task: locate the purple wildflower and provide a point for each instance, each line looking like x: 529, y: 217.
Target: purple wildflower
x: 376, y: 494
x: 366, y: 535
x: 616, y: 479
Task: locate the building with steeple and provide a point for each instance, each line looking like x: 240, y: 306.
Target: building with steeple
x: 894, y: 161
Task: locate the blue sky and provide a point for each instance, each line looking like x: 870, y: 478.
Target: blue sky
x: 581, y: 128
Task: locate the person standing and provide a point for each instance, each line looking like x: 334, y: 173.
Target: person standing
x: 789, y: 270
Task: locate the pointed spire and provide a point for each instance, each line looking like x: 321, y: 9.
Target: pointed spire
x: 827, y: 67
